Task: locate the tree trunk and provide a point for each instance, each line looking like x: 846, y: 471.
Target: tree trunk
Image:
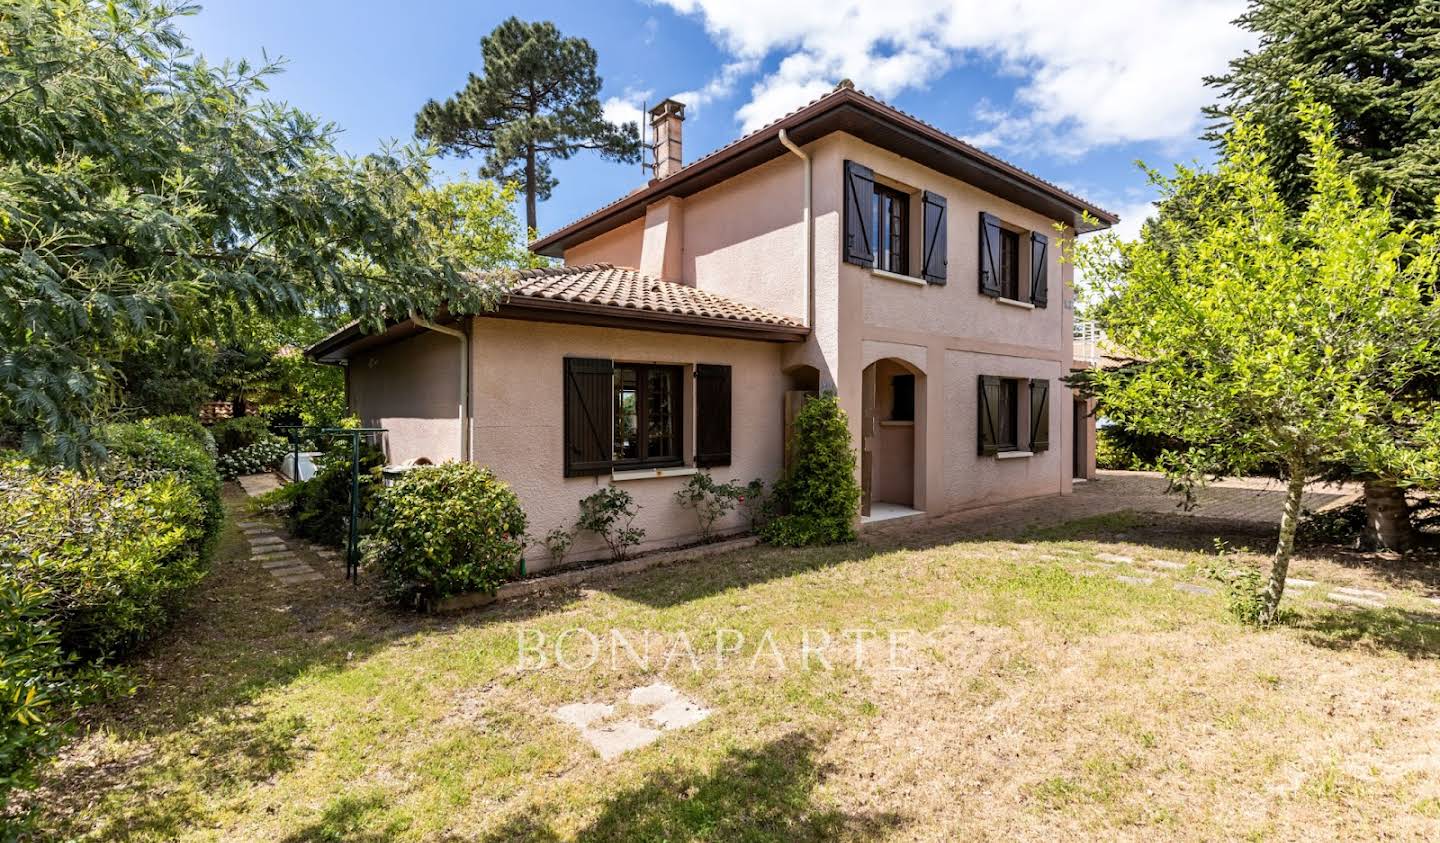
x: 1387, y: 517
x: 1280, y: 566
x: 531, y: 227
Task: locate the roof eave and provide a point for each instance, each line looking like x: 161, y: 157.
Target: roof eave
x: 839, y: 111
x: 344, y: 343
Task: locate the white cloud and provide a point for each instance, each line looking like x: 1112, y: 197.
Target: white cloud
x: 1110, y: 72
x: 625, y: 108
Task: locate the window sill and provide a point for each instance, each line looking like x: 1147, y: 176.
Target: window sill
x: 896, y: 423
x: 1023, y: 305
x: 1014, y: 455
x: 895, y: 276
x: 652, y: 473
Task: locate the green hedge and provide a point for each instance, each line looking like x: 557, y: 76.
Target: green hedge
x: 819, y: 496
x: 445, y: 530
x: 234, y: 434
x: 143, y: 451
x: 113, y: 560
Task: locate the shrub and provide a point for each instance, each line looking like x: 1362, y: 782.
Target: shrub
x: 820, y: 494
x: 142, y: 451
x: 190, y: 428
x: 320, y: 510
x: 557, y: 543
x: 40, y: 687
x: 112, y: 560
x: 234, y: 434
x: 444, y: 530
x: 755, y: 504
x: 710, y: 500
x: 610, y: 513
x: 253, y: 459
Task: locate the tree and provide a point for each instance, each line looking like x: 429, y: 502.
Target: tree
x: 538, y: 100
x: 1271, y: 337
x: 1377, y: 64
x: 145, y: 192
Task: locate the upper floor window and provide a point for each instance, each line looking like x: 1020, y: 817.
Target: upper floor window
x: 891, y: 220
x: 1009, y: 264
x: 879, y: 232
x: 1014, y: 264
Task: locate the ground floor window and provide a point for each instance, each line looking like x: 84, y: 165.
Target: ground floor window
x: 1014, y: 414
x: 647, y: 414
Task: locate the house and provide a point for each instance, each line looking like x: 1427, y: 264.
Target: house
x: 847, y: 246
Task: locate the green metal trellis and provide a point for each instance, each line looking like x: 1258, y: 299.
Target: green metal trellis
x: 299, y: 433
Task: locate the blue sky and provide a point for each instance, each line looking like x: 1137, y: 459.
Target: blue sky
x: 1073, y: 93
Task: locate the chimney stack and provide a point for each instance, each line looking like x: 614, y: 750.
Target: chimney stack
x: 665, y: 120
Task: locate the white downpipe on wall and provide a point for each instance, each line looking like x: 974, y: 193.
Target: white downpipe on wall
x: 464, y: 404
x: 809, y: 231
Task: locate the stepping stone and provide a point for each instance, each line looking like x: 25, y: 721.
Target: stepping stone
x: 1296, y: 582
x: 295, y: 579
x: 1362, y: 592
x: 286, y: 562
x: 1164, y: 564
x: 619, y: 738
x: 292, y: 568
x: 677, y: 714
x: 1352, y: 600
x: 273, y: 554
x: 1192, y: 588
x: 269, y: 547
x: 581, y: 715
x: 1135, y: 580
x: 1114, y: 557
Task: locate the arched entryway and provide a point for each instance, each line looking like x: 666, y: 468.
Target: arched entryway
x: 892, y: 470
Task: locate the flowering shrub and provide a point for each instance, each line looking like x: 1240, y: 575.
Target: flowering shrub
x: 444, y: 530
x: 253, y: 459
x: 610, y: 514
x: 710, y: 500
x: 233, y: 434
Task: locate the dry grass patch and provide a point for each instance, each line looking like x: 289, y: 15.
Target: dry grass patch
x: 1040, y: 697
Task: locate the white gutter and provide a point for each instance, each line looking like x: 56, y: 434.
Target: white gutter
x: 464, y: 404
x: 809, y: 231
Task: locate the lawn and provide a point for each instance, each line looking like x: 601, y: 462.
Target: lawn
x: 1040, y: 697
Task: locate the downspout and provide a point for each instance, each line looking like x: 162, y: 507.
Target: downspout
x: 464, y: 403
x: 809, y: 232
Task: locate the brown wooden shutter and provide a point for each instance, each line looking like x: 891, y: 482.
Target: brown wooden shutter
x: 989, y: 255
x: 933, y: 247
x: 1039, y: 269
x: 1039, y: 415
x: 712, y: 415
x: 859, y: 199
x: 589, y: 393
x: 989, y: 421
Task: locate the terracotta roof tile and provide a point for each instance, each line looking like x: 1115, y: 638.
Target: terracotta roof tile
x: 605, y: 285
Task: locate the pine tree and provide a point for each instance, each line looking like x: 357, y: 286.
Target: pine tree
x: 537, y: 100
x: 1376, y: 63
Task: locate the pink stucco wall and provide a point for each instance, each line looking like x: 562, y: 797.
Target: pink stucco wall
x: 518, y: 405
x: 620, y: 246
x: 411, y: 389
x: 744, y: 239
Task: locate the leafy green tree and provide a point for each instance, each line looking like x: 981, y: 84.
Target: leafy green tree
x: 145, y: 192
x: 1270, y: 337
x: 537, y: 100
x: 1376, y: 63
